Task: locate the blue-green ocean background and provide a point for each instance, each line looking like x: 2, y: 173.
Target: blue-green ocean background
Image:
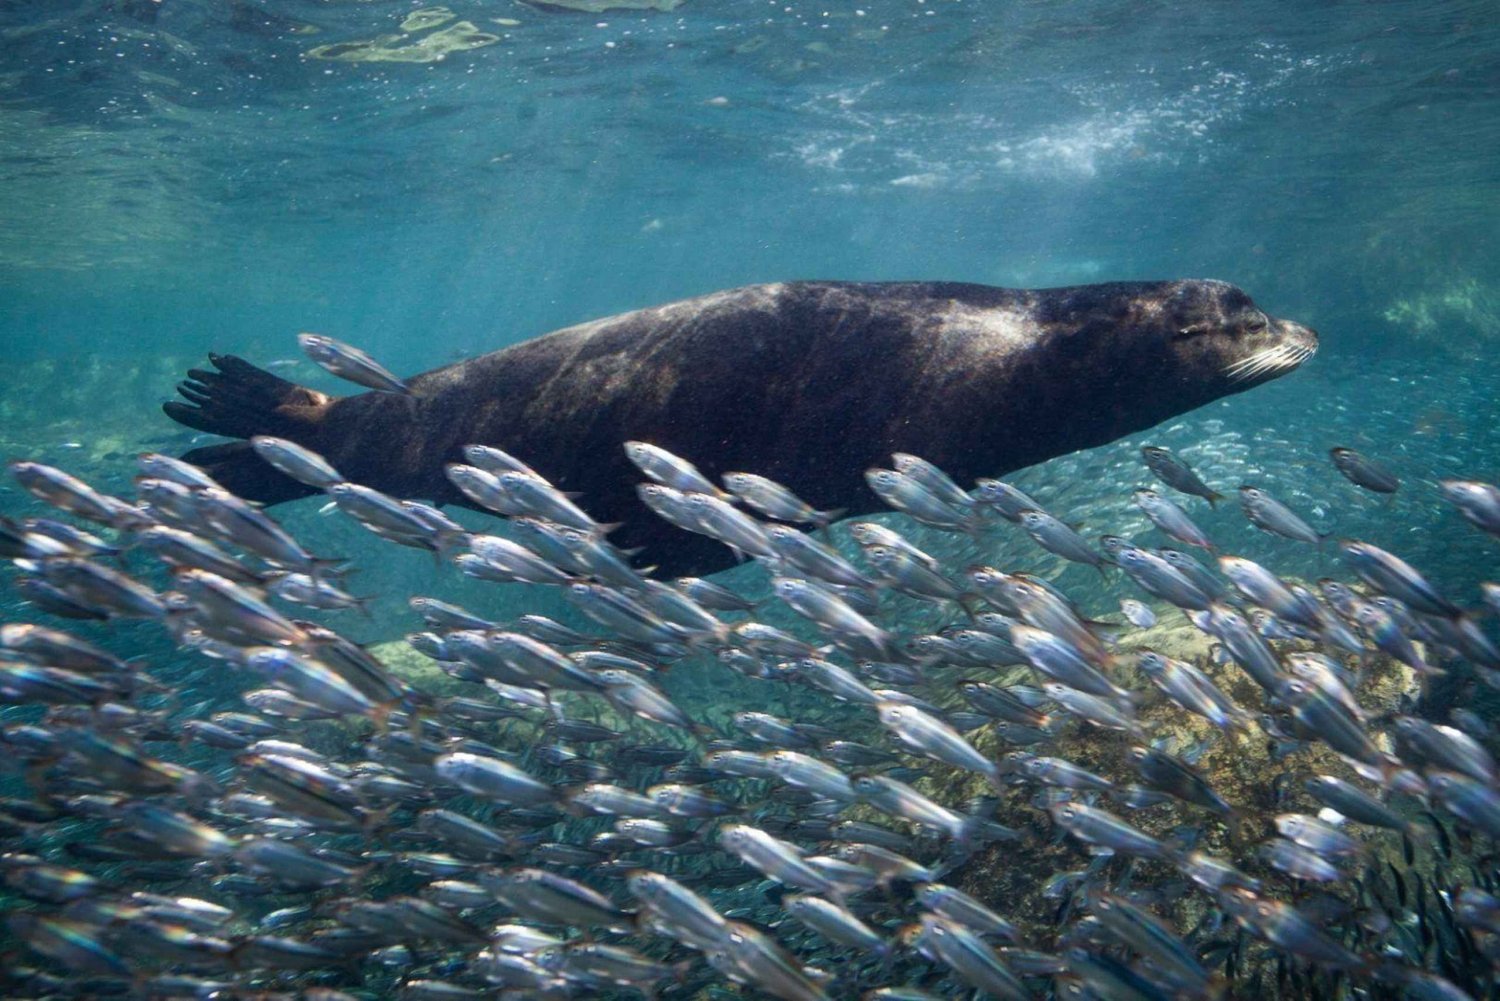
x: 184, y: 176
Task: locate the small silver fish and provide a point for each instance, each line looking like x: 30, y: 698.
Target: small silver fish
x: 1137, y: 613
x: 776, y: 501
x: 777, y: 859
x: 1106, y: 831
x: 1005, y: 499
x: 492, y: 779
x: 1057, y: 538
x: 1479, y: 503
x: 905, y: 494
x: 1171, y: 519
x: 1271, y: 515
x: 937, y: 482
x: 671, y: 470
x: 1363, y: 471
x: 929, y: 735
x: 1393, y: 576
x: 1177, y: 474
x: 349, y: 362
x: 301, y: 464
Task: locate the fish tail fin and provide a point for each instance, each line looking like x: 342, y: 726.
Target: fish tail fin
x: 239, y: 400
x: 972, y: 604
x: 822, y: 519
x: 1213, y: 497
x: 1234, y: 825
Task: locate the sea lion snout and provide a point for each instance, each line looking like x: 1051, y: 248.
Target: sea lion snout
x: 1280, y: 347
x: 1295, y: 333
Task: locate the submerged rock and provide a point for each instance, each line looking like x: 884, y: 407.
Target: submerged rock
x: 459, y: 37
x: 600, y: 6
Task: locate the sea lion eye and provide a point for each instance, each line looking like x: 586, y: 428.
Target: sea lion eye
x: 1193, y: 331
x: 1257, y: 323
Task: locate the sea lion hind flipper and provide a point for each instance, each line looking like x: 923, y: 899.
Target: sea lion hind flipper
x: 239, y: 400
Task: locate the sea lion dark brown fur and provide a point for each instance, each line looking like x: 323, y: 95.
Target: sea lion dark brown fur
x: 808, y: 383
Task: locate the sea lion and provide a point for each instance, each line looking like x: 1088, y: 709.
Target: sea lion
x: 808, y: 383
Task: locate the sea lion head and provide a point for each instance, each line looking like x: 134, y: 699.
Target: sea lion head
x: 1133, y: 354
x: 1213, y: 333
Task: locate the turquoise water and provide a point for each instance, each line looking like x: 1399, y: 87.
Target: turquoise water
x: 185, y: 177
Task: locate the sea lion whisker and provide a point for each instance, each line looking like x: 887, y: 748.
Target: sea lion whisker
x: 1248, y: 367
x: 1251, y: 361
x: 1277, y: 358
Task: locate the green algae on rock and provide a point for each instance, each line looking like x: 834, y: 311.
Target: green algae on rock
x: 600, y: 6
x: 458, y: 37
x: 427, y: 17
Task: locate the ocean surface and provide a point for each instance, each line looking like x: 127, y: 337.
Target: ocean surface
x: 179, y: 177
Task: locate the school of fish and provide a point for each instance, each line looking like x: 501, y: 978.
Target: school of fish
x: 564, y: 828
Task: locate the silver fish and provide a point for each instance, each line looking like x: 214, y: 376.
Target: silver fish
x: 301, y: 464
x: 1299, y: 862
x: 1100, y: 711
x: 1056, y: 537
x: 975, y: 962
x: 1053, y: 657
x: 840, y: 623
x: 538, y: 497
x: 349, y: 362
x: 1479, y: 503
x: 1317, y: 836
x: 492, y: 778
x: 1475, y: 803
x: 713, y: 596
x: 671, y: 470
x: 1363, y: 471
x: 749, y: 956
x: 905, y: 494
x: 834, y: 923
x: 1005, y: 499
x: 814, y: 558
x: 1106, y: 831
x: 673, y: 909
x: 933, y: 479
x: 1160, y: 579
x: 1137, y: 613
x: 869, y: 533
x: 1271, y: 515
x: 483, y: 488
x: 776, y: 501
x: 1284, y: 926
x: 495, y: 460
x: 717, y: 519
x: 928, y: 735
x: 1177, y: 474
x: 1194, y: 691
x: 1392, y: 575
x: 777, y: 859
x: 1171, y: 519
